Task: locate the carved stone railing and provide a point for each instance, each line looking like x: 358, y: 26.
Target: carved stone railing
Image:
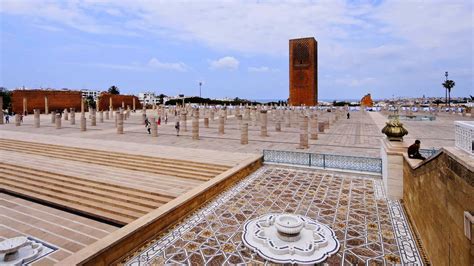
x: 325, y: 161
x: 464, y: 136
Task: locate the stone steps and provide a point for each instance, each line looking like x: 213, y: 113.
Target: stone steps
x: 101, y: 197
x: 109, y: 202
x: 160, y: 167
x: 67, y: 202
x: 134, y: 195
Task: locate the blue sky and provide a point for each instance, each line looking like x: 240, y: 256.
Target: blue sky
x: 237, y: 48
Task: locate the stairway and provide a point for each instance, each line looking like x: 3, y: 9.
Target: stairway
x: 155, y: 165
x: 111, y: 202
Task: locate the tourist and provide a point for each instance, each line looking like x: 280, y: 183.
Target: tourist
x: 7, y: 119
x: 21, y: 118
x: 147, y: 125
x: 159, y: 121
x: 414, y: 151
x: 166, y: 119
x: 177, y: 128
x: 348, y: 115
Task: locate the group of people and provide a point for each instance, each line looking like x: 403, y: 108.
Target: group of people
x: 158, y: 123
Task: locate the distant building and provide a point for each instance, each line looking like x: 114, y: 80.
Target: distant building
x: 92, y: 93
x: 148, y: 98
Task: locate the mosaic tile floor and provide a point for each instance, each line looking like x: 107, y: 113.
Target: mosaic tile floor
x: 371, y: 229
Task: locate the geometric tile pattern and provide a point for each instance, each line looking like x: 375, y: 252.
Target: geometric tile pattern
x: 365, y: 223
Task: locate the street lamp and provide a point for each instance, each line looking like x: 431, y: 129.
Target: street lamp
x: 446, y: 92
x: 200, y: 84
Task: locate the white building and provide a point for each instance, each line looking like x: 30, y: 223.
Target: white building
x: 87, y: 93
x: 148, y: 98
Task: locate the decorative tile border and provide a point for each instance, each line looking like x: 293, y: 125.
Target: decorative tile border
x: 409, y: 252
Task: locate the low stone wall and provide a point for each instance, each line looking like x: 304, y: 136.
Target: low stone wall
x: 35, y: 99
x: 436, y: 193
x: 104, y: 101
x: 126, y: 240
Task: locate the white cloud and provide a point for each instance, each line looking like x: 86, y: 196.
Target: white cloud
x: 179, y: 66
x: 151, y: 65
x: 226, y: 62
x: 262, y: 69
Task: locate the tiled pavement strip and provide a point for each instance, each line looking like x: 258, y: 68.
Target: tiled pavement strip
x: 370, y: 228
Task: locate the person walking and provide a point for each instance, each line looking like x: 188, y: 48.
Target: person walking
x: 159, y: 121
x: 166, y: 119
x: 147, y: 125
x: 7, y: 119
x: 348, y: 115
x: 176, y: 126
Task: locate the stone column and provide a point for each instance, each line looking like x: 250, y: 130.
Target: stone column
x: 119, y: 122
x: 111, y: 106
x: 93, y: 118
x: 1, y: 110
x: 46, y: 106
x: 73, y: 116
x: 304, y: 132
x: 66, y: 114
x: 183, y: 121
x: 321, y: 127
x: 58, y: 121
x: 195, y: 125
x: 25, y: 106
x: 83, y: 123
x: 17, y: 120
x: 278, y: 125
x: 82, y: 106
x: 212, y: 115
x: 314, y: 127
x: 101, y: 116
x: 206, y: 122
x: 53, y: 117
x: 133, y: 103
x: 107, y: 115
x: 263, y: 123
x: 239, y: 119
x: 221, y: 124
x: 37, y: 117
x: 154, y: 127
x: 123, y: 105
x: 244, y: 133
x: 288, y: 118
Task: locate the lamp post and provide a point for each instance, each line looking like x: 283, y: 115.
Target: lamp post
x: 200, y: 84
x: 446, y: 92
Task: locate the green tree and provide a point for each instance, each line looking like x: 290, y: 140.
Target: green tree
x: 448, y: 85
x: 161, y: 96
x: 114, y: 90
x: 7, y: 99
x: 90, y: 102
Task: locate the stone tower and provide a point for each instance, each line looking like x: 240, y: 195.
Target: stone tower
x: 303, y: 72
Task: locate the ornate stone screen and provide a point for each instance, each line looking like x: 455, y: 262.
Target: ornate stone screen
x: 303, y: 72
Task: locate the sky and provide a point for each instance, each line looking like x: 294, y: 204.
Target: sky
x: 237, y: 48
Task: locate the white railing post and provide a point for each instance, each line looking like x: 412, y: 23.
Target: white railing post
x: 464, y: 136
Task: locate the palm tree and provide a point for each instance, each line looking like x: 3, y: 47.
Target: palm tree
x: 448, y: 85
x: 114, y: 90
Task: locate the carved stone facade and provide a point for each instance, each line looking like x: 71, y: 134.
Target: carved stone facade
x: 303, y: 72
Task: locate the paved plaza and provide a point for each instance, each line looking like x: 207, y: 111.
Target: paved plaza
x: 371, y: 229
x: 102, y: 180
x: 358, y: 136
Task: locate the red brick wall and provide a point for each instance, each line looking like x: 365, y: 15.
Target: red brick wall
x: 303, y: 72
x: 57, y: 100
x: 104, y: 101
